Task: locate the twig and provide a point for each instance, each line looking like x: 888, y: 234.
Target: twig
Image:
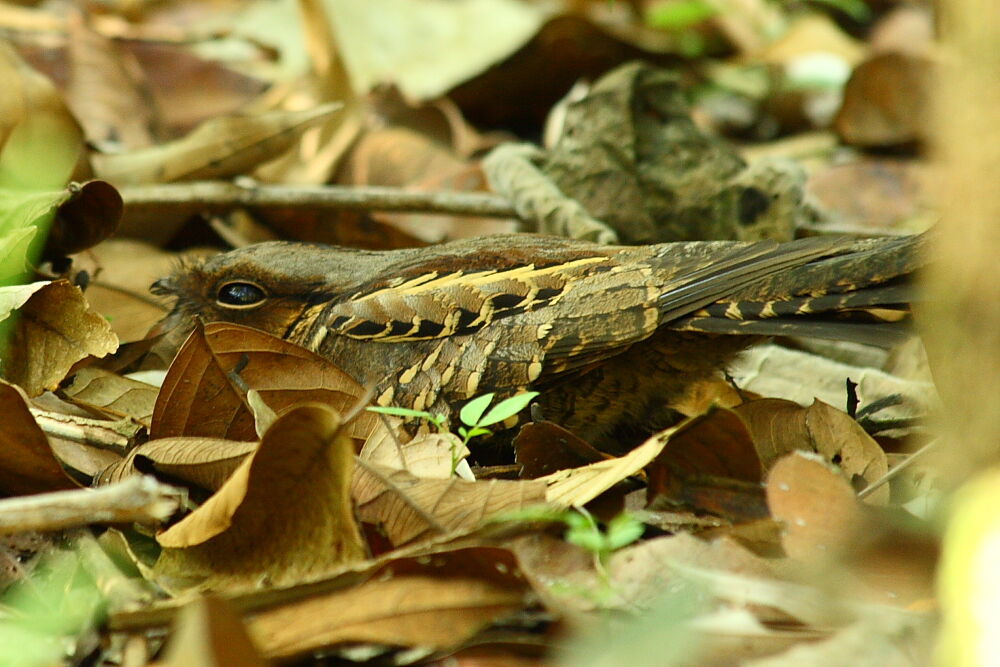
x: 113, y: 435
x: 223, y: 195
x: 140, y: 499
x: 895, y: 472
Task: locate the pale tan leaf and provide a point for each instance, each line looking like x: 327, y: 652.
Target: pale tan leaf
x: 430, y: 456
x: 409, y: 509
x: 112, y: 394
x: 217, y: 148
x: 55, y: 329
x: 251, y: 530
x: 204, y: 462
x: 578, y: 486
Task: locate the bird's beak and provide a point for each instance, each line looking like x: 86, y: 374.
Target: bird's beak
x: 163, y: 287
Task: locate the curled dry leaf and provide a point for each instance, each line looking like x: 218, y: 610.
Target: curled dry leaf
x: 779, y: 427
x: 199, y: 398
x: 284, y: 516
x: 885, y: 101
x: 111, y: 394
x: 55, y: 329
x: 711, y: 465
x: 203, y: 462
x: 217, y: 148
x: 27, y: 463
x: 436, y: 601
x: 820, y: 511
x: 409, y: 509
x: 89, y: 215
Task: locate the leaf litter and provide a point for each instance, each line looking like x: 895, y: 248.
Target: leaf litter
x: 312, y: 525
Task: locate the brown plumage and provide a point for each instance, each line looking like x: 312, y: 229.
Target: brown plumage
x: 608, y: 334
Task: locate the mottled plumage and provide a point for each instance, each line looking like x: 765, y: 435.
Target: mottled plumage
x: 608, y: 334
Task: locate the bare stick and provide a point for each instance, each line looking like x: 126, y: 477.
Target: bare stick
x: 140, y: 499
x: 214, y: 195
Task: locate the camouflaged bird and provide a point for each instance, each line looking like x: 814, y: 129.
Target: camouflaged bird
x: 608, y: 334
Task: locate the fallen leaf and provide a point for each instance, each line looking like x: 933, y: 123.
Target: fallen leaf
x: 819, y: 509
x: 105, y: 89
x: 27, y: 463
x: 542, y: 448
x: 779, y: 427
x: 55, y: 329
x: 437, y: 601
x: 886, y: 101
x: 203, y: 462
x: 89, y: 215
x: 198, y: 397
x: 225, y: 146
x: 409, y: 509
x: 208, y: 632
x: 111, y: 394
x: 431, y: 456
x: 283, y: 517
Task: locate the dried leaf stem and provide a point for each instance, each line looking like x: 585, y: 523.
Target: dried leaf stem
x: 223, y: 195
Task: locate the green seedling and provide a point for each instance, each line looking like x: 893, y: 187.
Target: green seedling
x: 473, y: 415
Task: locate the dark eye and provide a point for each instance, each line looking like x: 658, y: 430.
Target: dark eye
x: 240, y: 295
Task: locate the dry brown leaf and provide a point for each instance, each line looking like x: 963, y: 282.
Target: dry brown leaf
x: 409, y: 509
x: 103, y: 89
x: 206, y: 633
x: 429, y: 456
x: 27, y: 463
x: 89, y: 215
x: 820, y: 511
x: 111, y: 394
x: 710, y: 465
x: 579, y: 486
x: 204, y: 462
x: 886, y: 101
x: 198, y: 398
x: 779, y: 427
x: 438, y: 601
x: 55, y: 329
x: 225, y: 146
x: 542, y: 448
x: 283, y: 517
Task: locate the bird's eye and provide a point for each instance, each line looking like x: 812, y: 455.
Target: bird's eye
x: 240, y: 294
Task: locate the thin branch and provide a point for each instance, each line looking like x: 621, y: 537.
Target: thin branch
x: 215, y: 195
x: 140, y: 499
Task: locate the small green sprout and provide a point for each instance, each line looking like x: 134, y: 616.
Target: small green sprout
x: 473, y: 415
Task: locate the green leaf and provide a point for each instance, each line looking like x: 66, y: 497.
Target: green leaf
x: 474, y: 409
x: 623, y: 530
x: 856, y: 9
x: 476, y: 431
x: 587, y: 538
x: 679, y: 15
x: 507, y: 408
